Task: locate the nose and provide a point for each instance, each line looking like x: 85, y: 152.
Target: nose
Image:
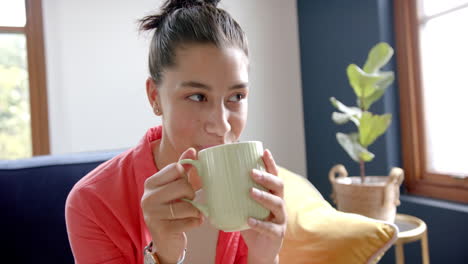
x: 218, y: 120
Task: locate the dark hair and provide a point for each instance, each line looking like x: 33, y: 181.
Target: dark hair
x: 183, y: 22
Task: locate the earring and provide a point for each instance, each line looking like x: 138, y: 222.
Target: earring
x: 156, y: 109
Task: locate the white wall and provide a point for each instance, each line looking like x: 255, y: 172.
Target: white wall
x: 97, y: 67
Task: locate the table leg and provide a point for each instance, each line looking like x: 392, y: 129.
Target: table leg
x: 399, y: 254
x: 425, y: 249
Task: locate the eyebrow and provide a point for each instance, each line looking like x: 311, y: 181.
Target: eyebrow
x: 193, y: 84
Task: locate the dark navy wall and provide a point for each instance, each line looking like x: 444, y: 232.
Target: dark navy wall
x: 333, y: 34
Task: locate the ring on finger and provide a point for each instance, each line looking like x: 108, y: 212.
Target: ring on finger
x: 172, y: 211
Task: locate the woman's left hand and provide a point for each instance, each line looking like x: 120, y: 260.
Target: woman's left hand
x: 265, y: 237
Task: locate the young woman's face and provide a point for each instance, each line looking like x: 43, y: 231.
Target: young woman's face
x: 203, y: 99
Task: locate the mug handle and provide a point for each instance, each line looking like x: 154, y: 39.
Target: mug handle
x: 202, y: 207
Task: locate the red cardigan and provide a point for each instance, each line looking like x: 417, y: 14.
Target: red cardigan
x: 104, y: 218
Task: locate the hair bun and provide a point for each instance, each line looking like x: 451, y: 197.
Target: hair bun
x: 212, y: 2
x: 170, y: 6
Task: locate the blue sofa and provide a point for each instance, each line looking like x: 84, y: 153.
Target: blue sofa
x: 33, y: 194
x: 32, y: 201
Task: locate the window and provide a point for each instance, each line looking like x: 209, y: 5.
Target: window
x: 23, y: 96
x: 432, y: 54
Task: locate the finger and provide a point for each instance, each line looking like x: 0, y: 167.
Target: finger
x: 190, y: 153
x: 270, y: 164
x: 271, y: 202
x: 269, y: 229
x: 170, y: 173
x: 273, y: 183
x: 175, y: 190
x: 180, y: 210
x: 181, y: 225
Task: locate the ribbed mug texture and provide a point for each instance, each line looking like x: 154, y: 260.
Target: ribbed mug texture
x: 225, y: 172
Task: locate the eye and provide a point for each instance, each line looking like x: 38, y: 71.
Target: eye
x: 237, y: 97
x: 197, y: 97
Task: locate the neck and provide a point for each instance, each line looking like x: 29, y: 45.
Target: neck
x: 163, y: 154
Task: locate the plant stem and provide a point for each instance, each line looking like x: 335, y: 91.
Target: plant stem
x: 363, y: 171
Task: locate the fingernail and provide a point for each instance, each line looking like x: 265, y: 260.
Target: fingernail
x: 251, y: 221
x: 256, y: 192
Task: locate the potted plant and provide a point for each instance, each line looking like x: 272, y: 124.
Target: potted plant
x: 372, y: 196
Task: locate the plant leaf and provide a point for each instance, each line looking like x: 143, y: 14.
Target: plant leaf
x: 372, y: 126
x: 364, y: 84
x: 386, y: 78
x: 350, y: 143
x: 349, y: 113
x: 369, y: 83
x: 378, y: 56
x: 366, y: 155
x: 340, y: 118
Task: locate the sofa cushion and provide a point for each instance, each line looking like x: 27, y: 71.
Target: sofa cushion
x: 32, y: 201
x: 317, y: 233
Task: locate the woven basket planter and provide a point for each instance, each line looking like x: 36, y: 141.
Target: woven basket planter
x: 377, y: 198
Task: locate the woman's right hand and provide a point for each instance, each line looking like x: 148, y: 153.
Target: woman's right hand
x: 167, y: 225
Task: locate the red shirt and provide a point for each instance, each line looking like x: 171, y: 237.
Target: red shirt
x: 104, y: 218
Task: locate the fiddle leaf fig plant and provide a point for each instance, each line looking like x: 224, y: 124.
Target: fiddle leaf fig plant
x: 369, y: 85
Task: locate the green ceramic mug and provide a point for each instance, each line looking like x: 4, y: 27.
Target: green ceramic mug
x: 225, y: 173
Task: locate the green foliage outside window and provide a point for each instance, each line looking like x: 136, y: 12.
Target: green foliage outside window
x: 15, y: 128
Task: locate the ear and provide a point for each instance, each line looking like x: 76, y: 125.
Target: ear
x: 153, y: 96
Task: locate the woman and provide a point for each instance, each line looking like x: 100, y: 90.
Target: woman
x: 198, y: 84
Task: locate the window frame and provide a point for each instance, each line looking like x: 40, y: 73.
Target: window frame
x: 418, y: 179
x: 33, y: 31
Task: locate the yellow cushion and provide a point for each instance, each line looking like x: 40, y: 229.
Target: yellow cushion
x: 317, y: 233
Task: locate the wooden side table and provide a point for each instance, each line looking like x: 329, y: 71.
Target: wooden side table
x: 411, y: 229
